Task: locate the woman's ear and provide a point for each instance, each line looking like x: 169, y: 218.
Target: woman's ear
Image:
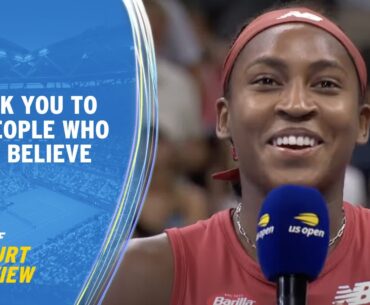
x: 223, y: 119
x: 363, y: 133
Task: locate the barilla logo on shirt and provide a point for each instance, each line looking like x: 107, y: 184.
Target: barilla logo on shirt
x: 230, y: 299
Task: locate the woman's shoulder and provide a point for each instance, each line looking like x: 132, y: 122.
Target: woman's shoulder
x: 358, y: 219
x: 147, y: 264
x: 358, y: 212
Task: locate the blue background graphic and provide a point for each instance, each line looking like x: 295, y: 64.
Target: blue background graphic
x: 64, y: 48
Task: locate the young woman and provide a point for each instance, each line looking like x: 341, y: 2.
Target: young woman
x: 293, y: 108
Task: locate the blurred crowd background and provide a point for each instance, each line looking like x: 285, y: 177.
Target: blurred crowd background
x: 191, y: 40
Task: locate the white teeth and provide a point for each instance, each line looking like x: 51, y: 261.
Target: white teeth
x: 294, y: 140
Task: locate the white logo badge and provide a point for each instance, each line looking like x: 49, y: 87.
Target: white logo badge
x: 359, y: 295
x: 299, y: 14
x: 237, y: 301
x: 230, y: 299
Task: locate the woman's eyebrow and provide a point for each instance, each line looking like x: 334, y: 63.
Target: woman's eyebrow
x: 279, y: 64
x: 270, y: 61
x: 323, y: 64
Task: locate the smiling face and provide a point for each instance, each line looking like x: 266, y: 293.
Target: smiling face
x: 293, y: 110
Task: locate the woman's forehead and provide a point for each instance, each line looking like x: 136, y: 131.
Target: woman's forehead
x: 295, y: 42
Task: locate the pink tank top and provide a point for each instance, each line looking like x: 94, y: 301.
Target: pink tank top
x: 212, y: 268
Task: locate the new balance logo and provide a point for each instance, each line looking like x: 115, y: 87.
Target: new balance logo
x: 359, y: 295
x: 299, y: 14
x: 232, y: 301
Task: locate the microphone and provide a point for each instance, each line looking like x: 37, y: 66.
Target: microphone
x: 292, y: 240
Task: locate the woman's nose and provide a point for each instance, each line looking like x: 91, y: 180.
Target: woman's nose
x: 296, y: 103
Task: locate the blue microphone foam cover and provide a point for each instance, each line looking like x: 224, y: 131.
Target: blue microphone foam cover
x: 292, y: 232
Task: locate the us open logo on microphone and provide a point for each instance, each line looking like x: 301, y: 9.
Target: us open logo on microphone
x: 311, y: 220
x: 263, y: 223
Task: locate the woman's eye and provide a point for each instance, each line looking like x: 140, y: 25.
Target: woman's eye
x: 327, y: 84
x: 267, y: 81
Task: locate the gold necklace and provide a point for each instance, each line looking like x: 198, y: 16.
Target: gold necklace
x: 253, y: 245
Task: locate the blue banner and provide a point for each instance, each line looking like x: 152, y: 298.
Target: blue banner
x: 77, y: 140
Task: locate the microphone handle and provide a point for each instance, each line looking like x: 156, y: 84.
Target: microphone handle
x: 292, y: 290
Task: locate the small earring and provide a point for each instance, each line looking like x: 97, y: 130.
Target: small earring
x: 234, y: 154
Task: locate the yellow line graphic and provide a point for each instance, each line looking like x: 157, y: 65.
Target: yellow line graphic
x: 310, y: 219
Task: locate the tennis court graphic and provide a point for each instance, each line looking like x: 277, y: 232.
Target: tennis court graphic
x: 38, y: 215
